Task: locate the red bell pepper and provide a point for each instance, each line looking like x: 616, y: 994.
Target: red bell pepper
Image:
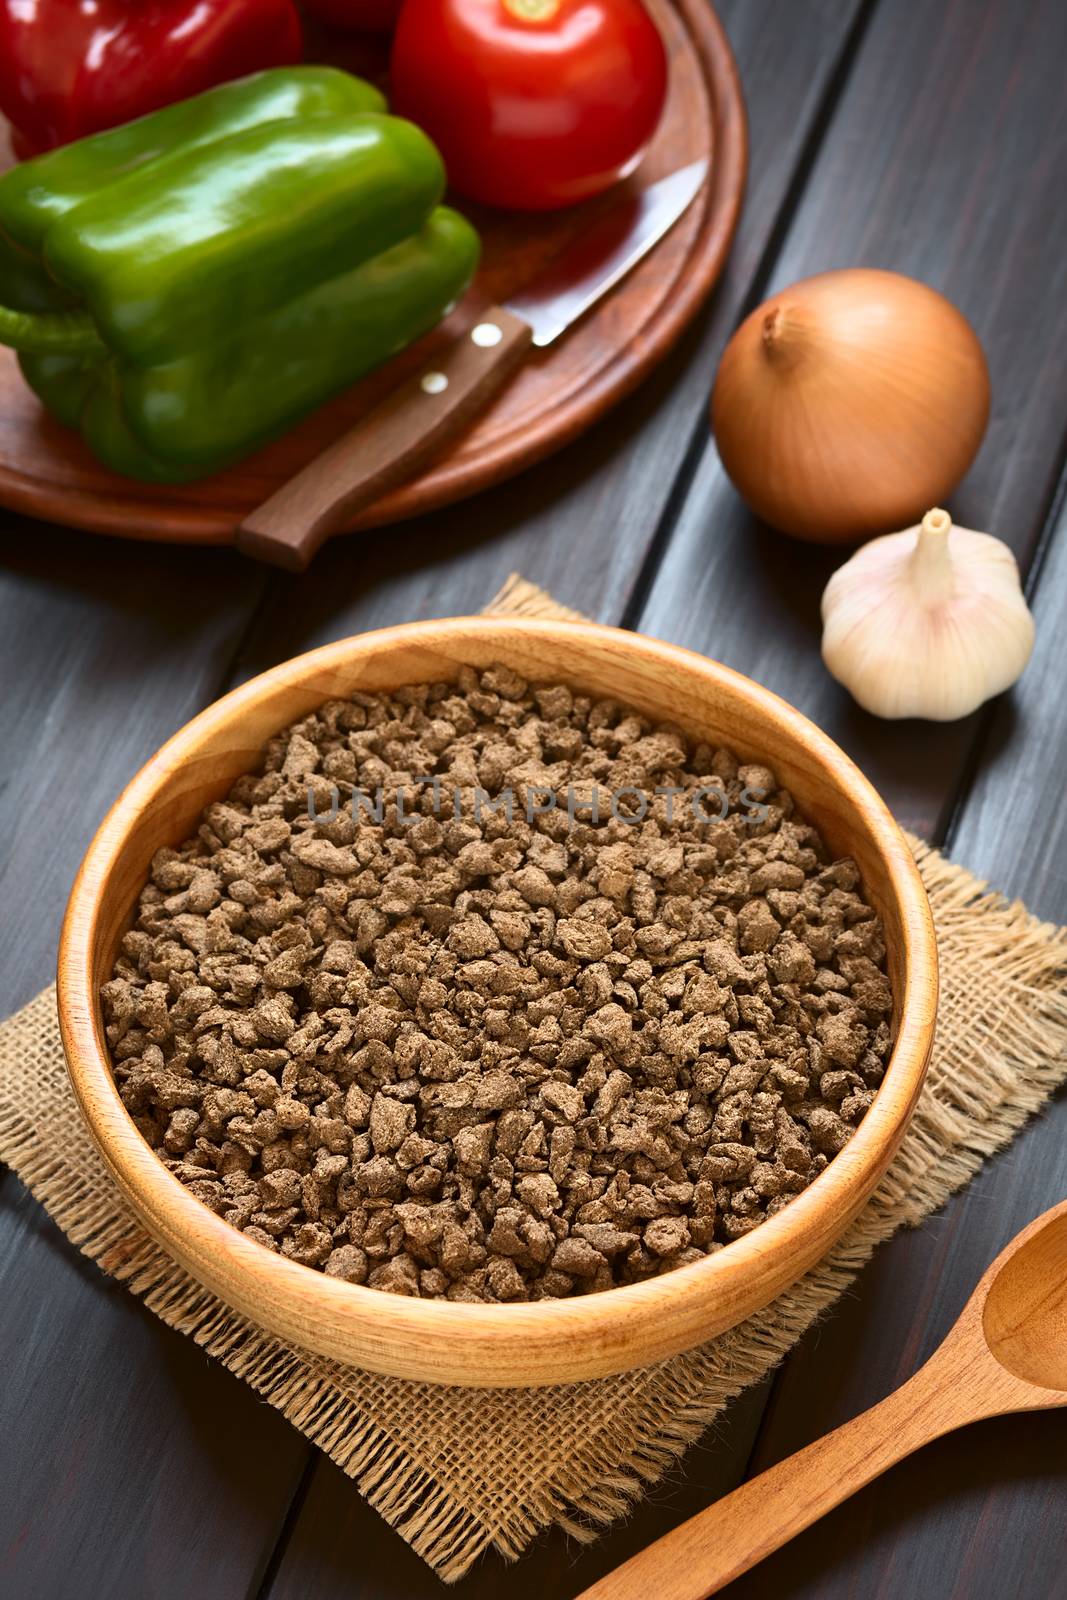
x: 73, y: 67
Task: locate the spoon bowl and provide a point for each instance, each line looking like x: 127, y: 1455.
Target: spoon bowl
x: 1024, y: 1319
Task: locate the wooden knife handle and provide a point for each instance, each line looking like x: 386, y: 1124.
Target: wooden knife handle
x: 388, y: 446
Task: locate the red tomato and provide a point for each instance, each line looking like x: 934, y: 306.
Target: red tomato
x: 361, y: 16
x: 534, y: 104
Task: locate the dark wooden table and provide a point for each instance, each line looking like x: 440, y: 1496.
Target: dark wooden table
x: 928, y: 137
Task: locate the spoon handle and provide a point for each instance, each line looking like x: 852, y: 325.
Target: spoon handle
x: 717, y: 1545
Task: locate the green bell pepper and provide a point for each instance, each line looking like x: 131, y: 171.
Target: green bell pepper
x: 189, y: 286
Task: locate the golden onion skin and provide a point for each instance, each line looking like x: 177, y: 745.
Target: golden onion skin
x: 849, y: 403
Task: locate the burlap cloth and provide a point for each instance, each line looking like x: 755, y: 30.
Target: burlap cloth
x: 455, y: 1471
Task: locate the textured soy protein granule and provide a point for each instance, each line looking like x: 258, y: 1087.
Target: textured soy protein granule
x: 498, y: 992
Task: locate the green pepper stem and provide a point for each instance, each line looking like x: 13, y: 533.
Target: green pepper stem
x: 50, y: 333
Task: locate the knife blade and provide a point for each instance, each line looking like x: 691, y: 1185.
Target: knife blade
x: 395, y: 440
x: 584, y: 271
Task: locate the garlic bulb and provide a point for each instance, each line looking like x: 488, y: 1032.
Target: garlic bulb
x: 930, y: 622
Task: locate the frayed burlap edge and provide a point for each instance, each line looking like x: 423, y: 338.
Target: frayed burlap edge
x: 575, y: 1456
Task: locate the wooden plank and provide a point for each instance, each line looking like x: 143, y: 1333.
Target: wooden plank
x: 1012, y: 825
x: 976, y: 1512
x: 943, y: 160
x: 969, y: 161
x: 105, y: 649
x: 583, y: 527
x: 132, y: 1464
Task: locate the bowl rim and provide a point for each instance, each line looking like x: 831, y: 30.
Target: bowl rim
x: 171, y: 1211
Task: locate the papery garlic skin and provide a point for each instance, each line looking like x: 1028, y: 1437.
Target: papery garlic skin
x: 930, y: 622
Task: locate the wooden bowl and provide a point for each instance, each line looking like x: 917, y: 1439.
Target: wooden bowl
x: 546, y: 1342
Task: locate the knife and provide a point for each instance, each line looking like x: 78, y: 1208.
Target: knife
x: 402, y: 434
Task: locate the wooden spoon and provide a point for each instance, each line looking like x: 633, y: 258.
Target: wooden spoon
x: 1007, y: 1352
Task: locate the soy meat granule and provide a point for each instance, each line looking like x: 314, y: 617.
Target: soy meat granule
x: 497, y: 1060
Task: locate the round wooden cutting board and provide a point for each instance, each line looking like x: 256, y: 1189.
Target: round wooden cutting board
x: 46, y: 471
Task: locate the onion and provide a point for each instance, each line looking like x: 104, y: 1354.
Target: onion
x: 849, y: 404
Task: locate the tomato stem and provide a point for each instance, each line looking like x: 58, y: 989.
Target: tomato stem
x: 532, y: 10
